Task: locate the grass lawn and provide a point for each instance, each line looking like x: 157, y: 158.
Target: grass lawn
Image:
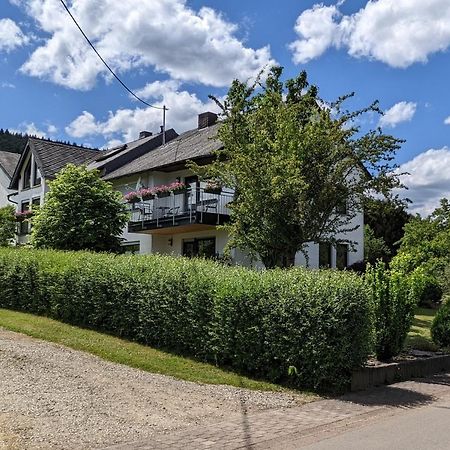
x: 128, y: 353
x: 419, y: 337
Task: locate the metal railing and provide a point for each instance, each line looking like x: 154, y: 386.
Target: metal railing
x: 192, y: 205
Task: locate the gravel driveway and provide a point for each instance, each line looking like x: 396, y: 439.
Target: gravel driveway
x: 55, y: 397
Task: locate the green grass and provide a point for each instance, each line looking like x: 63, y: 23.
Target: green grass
x: 419, y: 337
x: 129, y: 353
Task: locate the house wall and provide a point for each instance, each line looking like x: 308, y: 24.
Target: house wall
x: 4, y: 191
x: 172, y: 244
x: 36, y: 192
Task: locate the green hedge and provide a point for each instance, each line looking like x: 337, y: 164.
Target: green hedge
x: 260, y: 323
x: 440, y: 328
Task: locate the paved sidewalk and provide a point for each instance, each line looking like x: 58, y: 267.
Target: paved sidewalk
x: 299, y: 426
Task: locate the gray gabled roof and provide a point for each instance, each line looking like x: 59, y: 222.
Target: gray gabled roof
x: 51, y: 157
x: 110, y: 160
x: 191, y: 145
x: 8, y: 162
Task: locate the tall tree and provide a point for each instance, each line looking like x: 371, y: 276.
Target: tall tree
x: 81, y: 212
x: 7, y: 225
x: 293, y: 160
x: 387, y: 218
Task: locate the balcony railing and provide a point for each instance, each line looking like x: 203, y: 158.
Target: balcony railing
x: 194, y: 205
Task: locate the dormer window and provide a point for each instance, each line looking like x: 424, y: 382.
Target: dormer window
x: 26, y: 183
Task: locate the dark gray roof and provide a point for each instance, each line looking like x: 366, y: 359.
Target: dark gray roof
x: 51, y: 157
x: 191, y: 145
x: 110, y: 160
x: 8, y: 162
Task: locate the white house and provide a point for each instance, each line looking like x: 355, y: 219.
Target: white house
x: 186, y: 223
x: 181, y: 223
x: 8, y: 162
x: 40, y: 161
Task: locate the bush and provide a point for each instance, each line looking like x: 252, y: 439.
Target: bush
x: 440, y: 328
x: 7, y: 225
x: 394, y: 299
x: 260, y: 323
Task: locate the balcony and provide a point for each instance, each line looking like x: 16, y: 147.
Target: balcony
x: 193, y: 209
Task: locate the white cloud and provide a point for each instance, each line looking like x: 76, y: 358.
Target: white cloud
x: 400, y: 112
x: 6, y: 85
x: 396, y: 32
x: 11, y: 36
x: 428, y: 180
x: 51, y: 129
x: 165, y: 35
x: 31, y: 129
x: 447, y: 121
x: 125, y: 124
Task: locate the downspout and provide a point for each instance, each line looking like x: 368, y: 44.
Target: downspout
x: 11, y: 195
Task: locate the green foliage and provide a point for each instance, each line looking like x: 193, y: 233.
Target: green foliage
x: 12, y: 142
x: 440, y: 328
x: 394, y: 298
x: 293, y: 161
x: 374, y: 248
x: 425, y: 248
x: 386, y: 218
x: 7, y: 225
x: 309, y: 327
x: 81, y: 212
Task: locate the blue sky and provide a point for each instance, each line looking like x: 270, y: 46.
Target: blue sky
x: 177, y: 52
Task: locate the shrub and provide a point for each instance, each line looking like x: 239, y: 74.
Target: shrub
x: 7, y: 225
x: 440, y: 328
x: 394, y: 298
x: 260, y: 323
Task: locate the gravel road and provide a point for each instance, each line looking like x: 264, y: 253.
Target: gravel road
x: 52, y: 397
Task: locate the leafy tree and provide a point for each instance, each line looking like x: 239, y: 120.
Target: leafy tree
x: 7, y: 225
x: 387, y: 218
x: 375, y: 248
x: 81, y: 212
x: 293, y: 160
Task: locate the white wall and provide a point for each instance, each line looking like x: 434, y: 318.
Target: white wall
x: 4, y: 191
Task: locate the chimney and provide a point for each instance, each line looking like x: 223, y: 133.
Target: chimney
x: 144, y: 134
x: 206, y: 119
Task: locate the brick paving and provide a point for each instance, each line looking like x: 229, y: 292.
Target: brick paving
x: 276, y: 429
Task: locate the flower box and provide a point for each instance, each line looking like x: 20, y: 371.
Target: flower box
x: 132, y: 197
x: 24, y: 215
x: 147, y: 194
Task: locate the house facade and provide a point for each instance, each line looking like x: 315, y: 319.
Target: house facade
x: 183, y: 222
x: 186, y: 221
x: 8, y: 163
x: 39, y: 163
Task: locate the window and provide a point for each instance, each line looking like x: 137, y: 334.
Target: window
x: 36, y: 175
x: 26, y: 183
x: 341, y: 256
x: 25, y: 225
x: 130, y: 248
x: 203, y: 248
x: 341, y: 207
x: 324, y: 254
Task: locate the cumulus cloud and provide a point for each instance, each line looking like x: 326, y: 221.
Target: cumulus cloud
x: 11, y: 36
x: 396, y: 32
x: 447, y: 121
x: 31, y: 129
x: 125, y: 124
x: 428, y: 180
x: 165, y: 35
x: 400, y: 112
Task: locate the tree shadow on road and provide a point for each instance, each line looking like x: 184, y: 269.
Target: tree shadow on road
x: 399, y: 397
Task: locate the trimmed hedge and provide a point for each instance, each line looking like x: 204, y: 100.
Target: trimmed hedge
x: 260, y: 323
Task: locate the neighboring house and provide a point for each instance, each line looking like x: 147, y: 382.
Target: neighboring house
x: 8, y: 162
x: 39, y: 163
x: 186, y: 223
